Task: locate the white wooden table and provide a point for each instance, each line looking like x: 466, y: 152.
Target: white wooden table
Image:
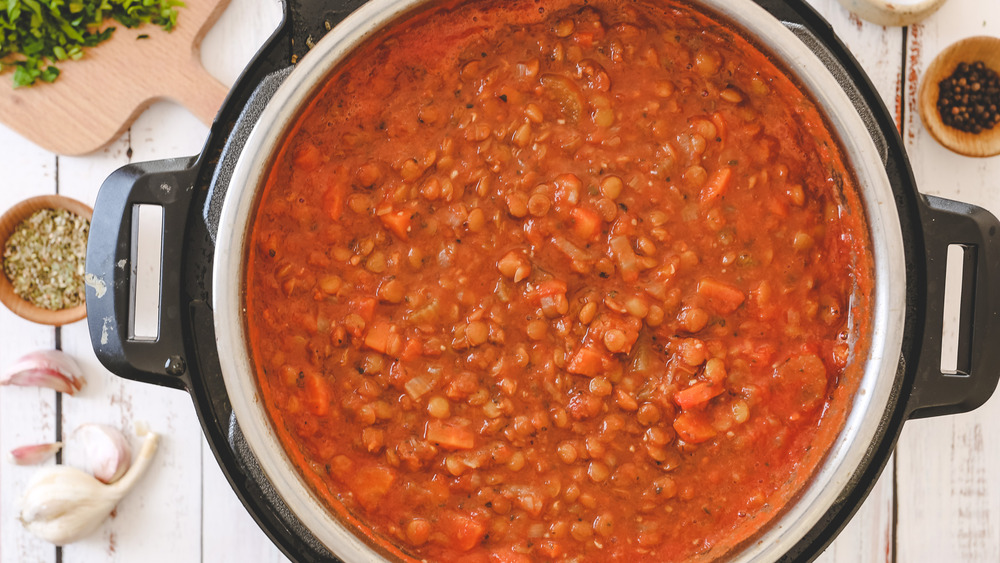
x: 937, y: 501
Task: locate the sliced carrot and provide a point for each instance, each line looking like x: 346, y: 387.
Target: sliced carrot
x: 716, y: 185
x: 693, y: 428
x: 724, y: 298
x: 308, y: 157
x: 586, y: 223
x: 371, y: 484
x: 449, y: 437
x: 697, y: 395
x: 319, y: 393
x: 586, y: 361
x: 398, y: 222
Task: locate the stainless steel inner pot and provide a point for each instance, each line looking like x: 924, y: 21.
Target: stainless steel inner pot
x: 862, y: 154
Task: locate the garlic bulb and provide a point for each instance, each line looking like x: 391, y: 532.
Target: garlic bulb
x: 33, y: 454
x: 107, y: 454
x: 63, y: 504
x: 45, y: 368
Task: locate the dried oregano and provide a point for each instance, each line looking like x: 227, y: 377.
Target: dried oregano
x: 44, y: 258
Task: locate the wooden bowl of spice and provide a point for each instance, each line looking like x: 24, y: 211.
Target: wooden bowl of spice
x: 43, y: 248
x: 959, y: 98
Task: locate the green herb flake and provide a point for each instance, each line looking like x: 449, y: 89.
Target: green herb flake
x: 44, y: 258
x: 34, y: 34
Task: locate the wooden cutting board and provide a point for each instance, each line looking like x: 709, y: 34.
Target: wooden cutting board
x: 97, y: 97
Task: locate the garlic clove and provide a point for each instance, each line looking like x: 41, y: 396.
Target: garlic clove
x: 64, y: 504
x: 33, y: 454
x: 45, y: 368
x: 106, y: 451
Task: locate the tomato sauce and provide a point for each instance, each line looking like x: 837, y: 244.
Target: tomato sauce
x: 540, y: 280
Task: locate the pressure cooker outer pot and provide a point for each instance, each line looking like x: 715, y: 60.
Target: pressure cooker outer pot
x: 198, y: 237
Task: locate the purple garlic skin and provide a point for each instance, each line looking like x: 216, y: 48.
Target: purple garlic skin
x: 33, y: 454
x: 107, y: 453
x: 45, y: 368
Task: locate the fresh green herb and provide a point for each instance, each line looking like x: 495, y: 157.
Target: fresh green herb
x: 36, y: 34
x: 44, y: 258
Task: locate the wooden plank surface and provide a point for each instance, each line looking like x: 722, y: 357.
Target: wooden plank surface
x: 944, y: 506
x: 949, y: 468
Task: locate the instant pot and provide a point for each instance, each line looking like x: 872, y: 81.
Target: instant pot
x: 207, y: 201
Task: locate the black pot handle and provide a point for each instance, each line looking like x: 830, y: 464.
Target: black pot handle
x: 111, y: 271
x: 977, y: 231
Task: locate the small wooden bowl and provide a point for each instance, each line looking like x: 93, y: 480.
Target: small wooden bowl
x: 982, y: 48
x: 8, y: 222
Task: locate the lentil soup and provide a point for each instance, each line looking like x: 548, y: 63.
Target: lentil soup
x: 554, y: 280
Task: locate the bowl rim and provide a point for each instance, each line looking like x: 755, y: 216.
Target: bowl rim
x: 8, y: 222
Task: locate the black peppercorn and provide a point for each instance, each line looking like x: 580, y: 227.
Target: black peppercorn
x: 969, y: 98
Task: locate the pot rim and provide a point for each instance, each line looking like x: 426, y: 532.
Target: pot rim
x: 847, y: 453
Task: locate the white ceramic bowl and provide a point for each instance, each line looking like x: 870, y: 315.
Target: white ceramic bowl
x: 892, y: 12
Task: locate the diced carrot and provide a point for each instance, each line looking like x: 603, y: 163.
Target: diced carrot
x: 586, y: 361
x: 777, y: 207
x: 548, y: 288
x: 308, y: 157
x: 319, y: 393
x: 379, y: 336
x: 465, y: 532
x: 449, y: 437
x: 582, y: 406
x: 697, y: 395
x: 693, y: 427
x: 398, y: 222
x: 412, y: 350
x: 551, y: 549
x: 371, y: 484
x: 364, y: 307
x: 762, y: 354
x: 586, y: 223
x: 717, y: 184
x: 724, y: 298
x: 584, y: 39
x: 333, y: 200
